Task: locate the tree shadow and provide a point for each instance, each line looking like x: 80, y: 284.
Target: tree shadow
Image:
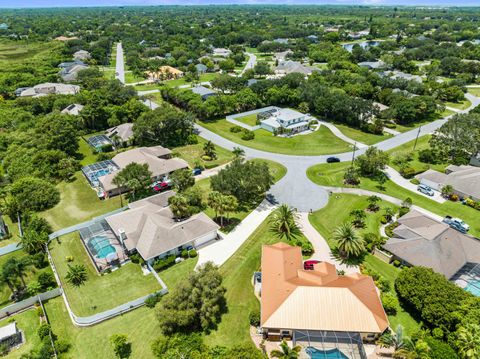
x: 352, y: 261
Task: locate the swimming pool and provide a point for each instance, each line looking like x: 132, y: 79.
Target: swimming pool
x: 100, y: 246
x: 473, y: 287
x: 335, y: 353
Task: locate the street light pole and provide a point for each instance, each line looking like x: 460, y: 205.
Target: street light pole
x: 353, y: 155
x: 416, y: 138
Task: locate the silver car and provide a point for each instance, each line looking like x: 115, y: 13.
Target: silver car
x: 425, y: 190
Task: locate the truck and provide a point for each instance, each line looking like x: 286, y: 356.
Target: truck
x: 456, y: 223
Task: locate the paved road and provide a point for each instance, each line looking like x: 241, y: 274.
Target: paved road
x: 120, y: 65
x: 295, y: 188
x: 252, y: 61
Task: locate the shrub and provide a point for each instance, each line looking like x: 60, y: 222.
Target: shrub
x: 192, y: 139
x: 254, y: 318
x: 104, y: 156
x: 429, y: 156
x: 403, y: 211
x: 206, y: 158
x: 106, y: 148
x: 152, y: 300
x: 69, y: 258
x: 44, y: 330
x: 4, y: 349
x: 164, y: 263
x: 184, y: 253
x: 384, y: 285
x: 440, y: 349
x: 248, y: 135
x: 396, y: 263
x: 454, y: 198
x: 415, y: 181
x: 137, y: 259
x: 46, y: 280
x: 39, y: 311
x: 236, y: 129
x: 437, y: 333
x: 62, y: 346
x: 383, y: 220
x: 192, y: 253
x: 39, y: 260
x: 389, y: 229
x: 390, y: 303
x: 407, y: 172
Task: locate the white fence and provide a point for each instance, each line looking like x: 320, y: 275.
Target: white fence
x: 24, y: 304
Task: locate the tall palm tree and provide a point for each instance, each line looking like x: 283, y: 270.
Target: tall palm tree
x: 468, y: 341
x: 238, y: 152
x: 284, y: 223
x: 286, y: 352
x: 76, y: 274
x: 33, y: 242
x: 348, y: 241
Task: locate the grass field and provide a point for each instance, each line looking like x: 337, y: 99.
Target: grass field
x: 130, y: 77
x: 462, y: 105
x: 31, y: 274
x: 27, y: 321
x: 193, y: 153
x: 332, y: 175
x: 99, y: 292
x: 146, y: 87
x: 325, y: 223
x: 238, y: 272
x: 250, y: 120
x: 20, y: 51
x: 360, y: 136
x: 422, y: 144
x: 474, y: 91
x: 182, y: 81
x: 316, y: 143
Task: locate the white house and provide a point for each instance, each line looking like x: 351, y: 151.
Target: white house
x: 287, y: 119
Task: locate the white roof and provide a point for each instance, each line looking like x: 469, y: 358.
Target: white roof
x: 73, y: 109
x: 8, y: 331
x: 288, y: 114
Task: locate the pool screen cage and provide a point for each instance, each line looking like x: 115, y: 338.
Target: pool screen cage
x: 98, y: 169
x: 98, y: 141
x: 470, y: 273
x: 93, y: 230
x: 349, y: 343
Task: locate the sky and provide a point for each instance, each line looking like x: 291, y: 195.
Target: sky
x: 65, y: 3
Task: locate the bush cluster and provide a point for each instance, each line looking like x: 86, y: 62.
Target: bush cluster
x: 164, y: 263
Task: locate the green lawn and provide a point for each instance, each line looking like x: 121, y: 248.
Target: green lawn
x: 31, y: 274
x: 316, y: 143
x: 140, y: 325
x: 100, y: 292
x: 86, y: 151
x: 238, y: 272
x: 332, y: 175
x: 182, y: 81
x: 250, y: 120
x: 474, y: 91
x: 27, y: 321
x: 361, y: 136
x: 78, y: 203
x: 146, y: 87
x: 337, y: 212
x: 13, y: 228
x: 422, y: 144
x: 462, y: 105
x: 130, y: 77
x: 276, y: 169
x: 108, y: 72
x: 155, y: 97
x: 193, y: 153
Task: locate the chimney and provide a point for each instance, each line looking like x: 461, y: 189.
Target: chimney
x: 122, y: 236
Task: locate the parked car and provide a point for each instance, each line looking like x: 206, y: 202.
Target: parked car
x: 425, y: 190
x: 457, y: 223
x: 333, y: 159
x: 197, y: 171
x: 100, y: 193
x: 160, y: 186
x: 308, y: 265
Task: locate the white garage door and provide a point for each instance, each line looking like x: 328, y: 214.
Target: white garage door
x: 204, y: 239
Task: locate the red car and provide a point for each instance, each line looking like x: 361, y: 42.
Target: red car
x: 160, y: 186
x: 308, y: 265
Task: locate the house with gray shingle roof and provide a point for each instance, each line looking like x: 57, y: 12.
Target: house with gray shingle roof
x: 204, y: 92
x: 420, y: 240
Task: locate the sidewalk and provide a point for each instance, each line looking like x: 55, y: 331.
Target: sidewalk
x: 340, y: 135
x: 218, y: 252
x: 405, y: 183
x: 320, y: 245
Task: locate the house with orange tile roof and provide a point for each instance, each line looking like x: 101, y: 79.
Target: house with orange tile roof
x: 165, y: 73
x: 318, y: 309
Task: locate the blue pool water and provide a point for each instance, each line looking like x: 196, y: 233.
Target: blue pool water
x: 101, y: 247
x: 473, y: 287
x: 315, y: 353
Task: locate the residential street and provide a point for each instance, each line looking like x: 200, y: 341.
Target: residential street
x: 120, y: 64
x: 252, y: 61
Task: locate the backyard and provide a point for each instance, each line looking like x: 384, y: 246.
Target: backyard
x: 325, y: 223
x: 99, y: 292
x: 193, y: 154
x: 28, y: 322
x: 322, y: 141
x: 31, y: 274
x: 250, y: 120
x: 332, y: 175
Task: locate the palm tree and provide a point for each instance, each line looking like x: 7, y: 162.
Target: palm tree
x: 15, y: 268
x: 468, y: 341
x: 76, y: 274
x: 286, y: 352
x: 178, y: 204
x: 403, y: 346
x: 284, y: 223
x: 348, y: 241
x: 238, y: 152
x: 358, y: 217
x: 447, y: 191
x: 33, y: 242
x: 209, y: 149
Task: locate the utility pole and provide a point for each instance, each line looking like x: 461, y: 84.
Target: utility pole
x: 416, y: 139
x: 353, y: 155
